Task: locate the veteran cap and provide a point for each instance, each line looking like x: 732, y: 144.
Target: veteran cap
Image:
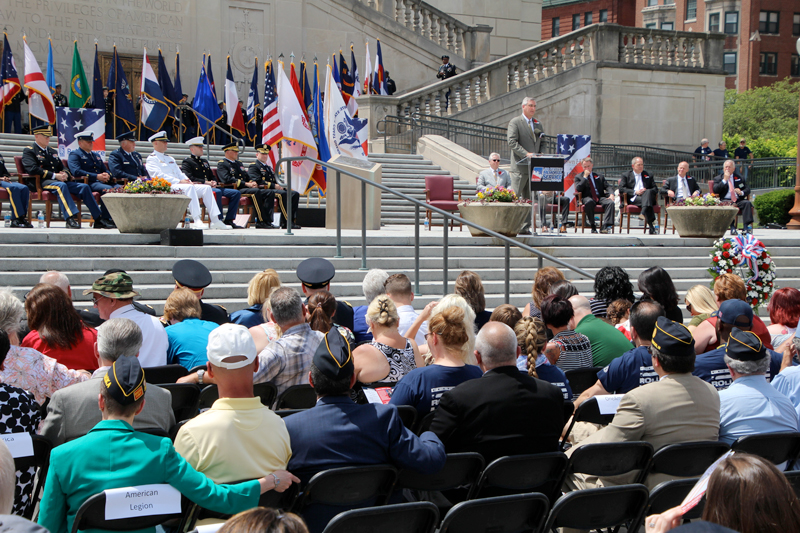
x: 195, y: 141
x: 333, y: 357
x: 85, y: 136
x: 191, y: 273
x: 113, y: 285
x: 735, y: 312
x: 127, y: 136
x: 672, y: 338
x: 231, y: 346
x: 234, y: 147
x: 262, y: 148
x: 125, y: 380
x: 745, y: 346
x: 160, y: 136
x: 43, y: 130
x: 315, y: 272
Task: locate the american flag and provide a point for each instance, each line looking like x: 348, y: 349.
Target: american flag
x: 271, y: 131
x: 9, y: 79
x: 576, y: 147
x: 73, y: 121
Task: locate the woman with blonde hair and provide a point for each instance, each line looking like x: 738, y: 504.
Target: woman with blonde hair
x: 532, y: 339
x: 258, y: 292
x: 266, y: 331
x: 700, y: 302
x: 545, y: 277
x: 264, y: 520
x: 389, y: 356
x: 433, y: 308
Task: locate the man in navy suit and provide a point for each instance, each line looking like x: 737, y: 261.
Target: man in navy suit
x: 681, y: 185
x: 737, y: 194
x: 595, y: 190
x: 125, y: 162
x: 641, y: 189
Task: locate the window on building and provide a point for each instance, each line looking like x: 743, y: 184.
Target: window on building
x: 651, y: 25
x: 729, y: 62
x: 652, y: 3
x: 603, y: 15
x: 769, y: 64
x: 713, y: 22
x: 576, y: 22
x: 587, y: 18
x: 768, y: 22
x: 796, y: 24
x: 732, y: 22
x: 795, y: 66
x: 556, y: 26
x: 691, y: 9
x: 667, y: 26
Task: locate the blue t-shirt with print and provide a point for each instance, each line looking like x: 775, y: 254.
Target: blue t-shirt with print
x: 632, y: 369
x: 423, y: 387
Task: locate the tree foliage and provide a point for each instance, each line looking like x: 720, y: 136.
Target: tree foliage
x: 762, y: 112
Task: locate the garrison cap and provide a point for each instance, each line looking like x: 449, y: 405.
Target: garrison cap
x: 731, y: 311
x: 745, y: 346
x: 113, y: 285
x: 127, y: 136
x: 672, y: 338
x: 191, y: 273
x: 195, y: 141
x: 125, y: 380
x: 315, y: 272
x: 334, y: 357
x: 262, y: 148
x: 85, y: 136
x: 43, y: 130
x: 160, y: 136
x: 231, y: 146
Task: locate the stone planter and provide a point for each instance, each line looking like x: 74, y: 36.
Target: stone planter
x: 710, y: 222
x: 504, y: 218
x: 146, y: 213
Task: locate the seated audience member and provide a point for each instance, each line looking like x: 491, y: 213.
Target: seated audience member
x: 321, y: 312
x: 656, y: 284
x: 187, y: 333
x: 745, y: 493
x: 60, y: 280
x: 507, y: 314
x: 608, y: 342
x: 258, y: 291
x: 423, y: 387
x: 711, y: 366
x: 568, y: 350
x: 701, y: 304
x: 451, y: 300
x: 129, y: 458
x: 390, y: 356
x: 469, y: 286
x: 505, y: 412
x: 494, y: 176
x: 26, y: 368
x: 784, y: 310
x: 565, y: 289
x: 264, y: 520
x: 398, y: 289
x: 751, y: 405
x: 679, y: 407
x: 634, y: 368
x: 72, y: 411
x: 727, y: 287
x: 532, y: 339
x: 787, y: 382
x: 545, y: 277
x: 610, y: 283
x: 57, y: 330
x: 372, y: 286
x: 238, y: 438
x: 315, y: 274
x: 113, y: 296
x: 195, y: 275
x: 618, y: 315
x: 8, y: 478
x: 267, y: 331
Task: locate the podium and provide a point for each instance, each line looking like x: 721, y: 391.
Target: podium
x: 546, y: 172
x: 351, y: 194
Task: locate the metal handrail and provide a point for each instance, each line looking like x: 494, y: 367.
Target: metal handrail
x: 213, y: 125
x: 417, y: 204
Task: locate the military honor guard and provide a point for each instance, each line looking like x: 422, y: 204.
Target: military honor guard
x: 197, y: 169
x: 316, y: 274
x: 41, y: 160
x: 18, y: 195
x: 83, y: 162
x: 261, y: 172
x: 195, y: 276
x: 59, y: 99
x: 125, y: 162
x: 231, y: 174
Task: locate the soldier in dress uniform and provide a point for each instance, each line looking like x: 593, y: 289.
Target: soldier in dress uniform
x: 84, y: 162
x: 59, y: 99
x: 198, y: 170
x: 125, y: 162
x: 316, y: 274
x: 18, y: 195
x: 260, y: 172
x: 447, y: 70
x: 231, y: 174
x: 195, y: 276
x: 41, y: 160
x: 109, y: 113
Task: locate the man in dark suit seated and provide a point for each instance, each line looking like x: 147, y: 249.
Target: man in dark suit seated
x: 737, y: 194
x: 594, y: 190
x: 681, y: 186
x: 506, y: 412
x: 125, y: 162
x: 641, y: 189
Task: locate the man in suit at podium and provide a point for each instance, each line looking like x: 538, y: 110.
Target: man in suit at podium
x: 524, y: 139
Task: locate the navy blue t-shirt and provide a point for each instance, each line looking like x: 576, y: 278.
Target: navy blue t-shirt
x: 710, y: 367
x: 554, y: 375
x: 632, y: 369
x: 422, y: 388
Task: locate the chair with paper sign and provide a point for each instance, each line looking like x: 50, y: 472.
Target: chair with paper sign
x: 40, y: 460
x: 588, y: 411
x: 94, y: 514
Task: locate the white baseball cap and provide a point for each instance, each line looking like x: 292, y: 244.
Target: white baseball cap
x: 229, y: 341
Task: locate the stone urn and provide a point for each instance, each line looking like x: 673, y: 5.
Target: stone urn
x: 505, y: 218
x: 146, y: 213
x: 702, y: 221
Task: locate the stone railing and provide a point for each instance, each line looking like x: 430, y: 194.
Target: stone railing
x: 678, y: 49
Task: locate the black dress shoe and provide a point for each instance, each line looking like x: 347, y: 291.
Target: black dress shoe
x: 21, y: 223
x: 264, y: 225
x: 734, y: 231
x: 110, y: 223
x: 72, y: 222
x: 653, y: 230
x: 594, y: 230
x: 232, y: 224
x: 526, y: 232
x: 101, y: 223
x: 294, y: 226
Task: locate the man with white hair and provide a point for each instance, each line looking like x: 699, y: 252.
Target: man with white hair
x: 505, y: 412
x: 730, y: 186
x: 160, y: 165
x: 494, y: 176
x: 524, y: 138
x: 640, y: 189
x: 372, y: 286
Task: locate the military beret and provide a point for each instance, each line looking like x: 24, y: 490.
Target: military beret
x: 191, y: 273
x: 745, y: 346
x: 672, y: 338
x: 43, y: 130
x: 730, y: 311
x: 334, y: 357
x: 127, y: 136
x: 315, y: 272
x: 125, y: 380
x: 160, y: 136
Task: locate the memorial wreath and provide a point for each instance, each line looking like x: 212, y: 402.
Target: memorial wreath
x: 747, y: 257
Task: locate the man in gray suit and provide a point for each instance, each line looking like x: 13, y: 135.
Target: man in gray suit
x: 494, y: 176
x: 73, y: 411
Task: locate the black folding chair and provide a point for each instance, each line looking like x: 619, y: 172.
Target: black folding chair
x: 581, y: 379
x: 40, y: 460
x: 423, y: 424
x: 185, y: 399
x: 408, y: 415
x: 794, y: 479
x: 596, y: 509
x: 605, y: 459
x: 416, y: 517
x: 515, y: 513
x: 297, y: 397
x: 777, y: 447
x: 518, y: 474
x: 92, y: 515
x: 158, y: 432
x: 670, y: 494
x: 273, y: 499
x: 460, y: 471
x: 173, y: 431
x: 266, y: 391
x: 588, y: 411
x: 158, y: 375
x: 283, y: 413
x: 687, y: 459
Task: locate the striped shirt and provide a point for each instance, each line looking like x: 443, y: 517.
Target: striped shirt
x: 576, y: 350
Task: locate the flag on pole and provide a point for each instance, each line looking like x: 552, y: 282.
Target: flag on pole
x: 9, y: 79
x: 305, y: 90
x: 51, y: 73
x: 577, y: 147
x: 340, y: 128
x: 118, y: 85
x: 78, y: 83
x: 167, y: 89
x: 40, y: 99
x: 177, y: 86
x: 336, y: 74
x: 204, y: 103
x: 318, y: 117
x: 296, y: 87
x: 210, y: 76
x: 368, y: 73
x: 154, y: 107
x: 347, y: 81
x: 98, y: 98
x: 74, y: 121
x: 252, y: 107
x: 232, y: 104
x: 297, y: 138
x: 353, y: 105
x: 271, y: 132
x: 379, y: 83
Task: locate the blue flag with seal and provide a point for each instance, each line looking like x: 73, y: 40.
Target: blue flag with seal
x: 123, y: 106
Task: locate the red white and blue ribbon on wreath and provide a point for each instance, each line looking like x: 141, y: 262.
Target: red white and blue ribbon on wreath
x: 751, y: 249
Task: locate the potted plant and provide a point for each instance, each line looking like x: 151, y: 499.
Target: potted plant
x: 146, y: 206
x: 497, y: 209
x: 702, y: 216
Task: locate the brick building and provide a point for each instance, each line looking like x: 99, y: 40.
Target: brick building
x: 563, y: 16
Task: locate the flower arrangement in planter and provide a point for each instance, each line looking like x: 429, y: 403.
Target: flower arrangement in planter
x: 146, y: 206
x: 747, y: 257
x: 498, y: 209
x: 702, y: 216
x: 705, y: 200
x: 151, y: 186
x: 491, y: 195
